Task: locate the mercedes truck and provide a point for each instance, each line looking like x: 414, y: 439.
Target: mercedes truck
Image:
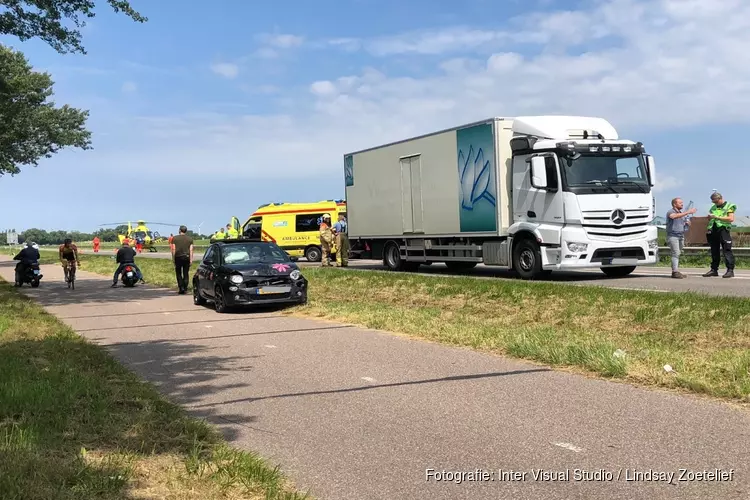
x: 533, y: 194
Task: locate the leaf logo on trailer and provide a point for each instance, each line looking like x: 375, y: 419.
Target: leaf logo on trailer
x: 477, y: 198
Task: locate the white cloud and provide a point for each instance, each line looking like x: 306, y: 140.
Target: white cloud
x: 129, y: 87
x: 667, y: 183
x: 650, y: 64
x: 227, y: 70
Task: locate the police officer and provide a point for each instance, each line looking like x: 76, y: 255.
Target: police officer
x: 720, y: 220
x: 342, y: 241
x: 326, y: 239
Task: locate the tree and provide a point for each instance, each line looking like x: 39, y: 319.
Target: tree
x: 31, y: 127
x: 42, y: 19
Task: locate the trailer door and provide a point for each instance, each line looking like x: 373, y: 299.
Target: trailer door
x: 411, y: 194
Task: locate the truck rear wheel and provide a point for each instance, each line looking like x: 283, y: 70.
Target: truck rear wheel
x: 527, y: 259
x: 392, y: 257
x: 618, y: 272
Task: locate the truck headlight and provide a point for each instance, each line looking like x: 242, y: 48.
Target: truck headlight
x: 295, y: 274
x: 236, y: 278
x: 653, y: 243
x: 577, y: 247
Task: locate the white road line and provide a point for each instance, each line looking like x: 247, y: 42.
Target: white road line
x: 368, y: 379
x: 209, y: 326
x: 270, y: 346
x: 569, y: 446
x: 167, y: 313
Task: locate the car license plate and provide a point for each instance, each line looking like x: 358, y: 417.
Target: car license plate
x: 624, y: 262
x: 130, y: 274
x: 36, y: 271
x: 266, y: 290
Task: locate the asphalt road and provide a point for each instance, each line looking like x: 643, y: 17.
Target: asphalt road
x: 360, y: 414
x: 644, y: 278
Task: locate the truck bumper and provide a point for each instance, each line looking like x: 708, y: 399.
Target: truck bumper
x: 578, y: 251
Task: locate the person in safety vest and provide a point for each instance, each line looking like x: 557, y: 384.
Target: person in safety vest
x: 720, y: 220
x: 326, y: 239
x: 232, y: 233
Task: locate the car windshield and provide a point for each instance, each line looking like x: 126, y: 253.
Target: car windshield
x: 590, y: 170
x: 253, y: 253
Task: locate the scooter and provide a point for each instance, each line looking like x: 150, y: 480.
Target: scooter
x: 31, y: 275
x: 129, y: 277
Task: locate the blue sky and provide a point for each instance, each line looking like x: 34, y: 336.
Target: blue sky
x: 201, y: 114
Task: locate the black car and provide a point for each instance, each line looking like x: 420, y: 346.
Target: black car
x: 241, y: 272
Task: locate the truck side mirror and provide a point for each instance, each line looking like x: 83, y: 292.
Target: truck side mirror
x: 538, y: 172
x: 651, y: 172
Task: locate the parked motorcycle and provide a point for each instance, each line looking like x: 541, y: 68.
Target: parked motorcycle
x: 31, y: 275
x: 129, y: 277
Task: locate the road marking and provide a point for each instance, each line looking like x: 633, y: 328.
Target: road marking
x: 368, y: 379
x: 270, y: 346
x: 209, y: 326
x: 569, y: 446
x: 167, y: 313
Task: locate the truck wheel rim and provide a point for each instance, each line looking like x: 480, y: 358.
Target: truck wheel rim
x: 526, y: 260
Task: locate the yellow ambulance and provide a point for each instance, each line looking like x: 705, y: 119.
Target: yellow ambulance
x: 295, y: 227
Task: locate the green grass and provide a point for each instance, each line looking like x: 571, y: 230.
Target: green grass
x: 706, y: 339
x: 76, y: 425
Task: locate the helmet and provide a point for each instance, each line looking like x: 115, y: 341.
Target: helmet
x: 326, y: 216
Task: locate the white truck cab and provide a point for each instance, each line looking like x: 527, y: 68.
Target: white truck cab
x: 584, y: 193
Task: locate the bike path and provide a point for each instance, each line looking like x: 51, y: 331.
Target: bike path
x: 357, y: 413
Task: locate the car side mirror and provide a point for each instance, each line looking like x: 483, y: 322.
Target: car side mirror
x: 539, y: 172
x: 651, y: 170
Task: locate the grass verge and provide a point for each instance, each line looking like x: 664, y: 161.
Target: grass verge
x: 624, y: 334
x: 75, y: 424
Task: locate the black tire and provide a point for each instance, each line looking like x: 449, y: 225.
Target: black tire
x: 392, y: 257
x: 527, y: 259
x: 219, y: 303
x: 198, y: 299
x: 618, y: 272
x: 313, y: 254
x: 35, y: 284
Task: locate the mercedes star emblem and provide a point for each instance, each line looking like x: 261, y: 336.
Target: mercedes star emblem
x: 618, y: 216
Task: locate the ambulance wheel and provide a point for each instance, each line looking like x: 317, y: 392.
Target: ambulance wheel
x: 313, y: 254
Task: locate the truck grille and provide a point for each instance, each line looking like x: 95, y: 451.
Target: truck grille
x: 599, y: 225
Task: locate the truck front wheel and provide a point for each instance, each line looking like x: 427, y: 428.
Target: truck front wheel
x: 527, y: 259
x: 618, y: 272
x: 392, y: 257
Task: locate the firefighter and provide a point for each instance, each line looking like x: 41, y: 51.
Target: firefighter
x: 342, y: 242
x: 326, y: 239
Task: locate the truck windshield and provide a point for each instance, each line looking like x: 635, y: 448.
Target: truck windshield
x: 592, y: 173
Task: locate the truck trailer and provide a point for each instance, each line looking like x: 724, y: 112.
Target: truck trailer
x: 533, y: 194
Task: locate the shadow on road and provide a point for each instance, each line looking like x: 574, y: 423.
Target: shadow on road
x: 378, y: 386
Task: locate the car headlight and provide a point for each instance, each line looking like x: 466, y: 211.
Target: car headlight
x: 295, y: 274
x: 577, y: 247
x: 653, y: 243
x: 236, y: 278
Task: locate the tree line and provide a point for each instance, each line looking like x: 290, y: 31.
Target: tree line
x: 44, y: 237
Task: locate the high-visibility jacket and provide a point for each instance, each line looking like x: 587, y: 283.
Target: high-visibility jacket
x: 722, y: 211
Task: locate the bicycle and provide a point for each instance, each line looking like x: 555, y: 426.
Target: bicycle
x: 70, y: 274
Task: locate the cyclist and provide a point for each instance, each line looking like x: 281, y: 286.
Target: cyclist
x: 68, y: 256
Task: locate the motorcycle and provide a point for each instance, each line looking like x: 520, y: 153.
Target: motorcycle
x: 129, y: 277
x: 32, y: 275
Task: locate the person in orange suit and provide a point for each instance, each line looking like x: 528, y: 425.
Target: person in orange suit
x: 96, y: 244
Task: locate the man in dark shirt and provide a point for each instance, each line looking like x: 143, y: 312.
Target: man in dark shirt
x: 182, y: 256
x: 125, y: 256
x: 28, y: 256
